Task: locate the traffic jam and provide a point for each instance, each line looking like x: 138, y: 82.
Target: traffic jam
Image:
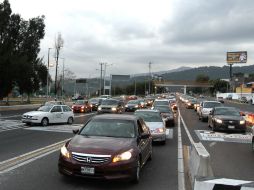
x: 118, y: 138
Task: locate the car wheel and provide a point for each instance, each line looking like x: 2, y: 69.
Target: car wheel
x: 70, y: 120
x: 44, y: 122
x: 252, y: 143
x: 136, y: 174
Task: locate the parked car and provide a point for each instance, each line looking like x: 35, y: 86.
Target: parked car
x: 167, y: 115
x: 206, y: 107
x: 155, y: 123
x: 132, y: 105
x: 111, y: 106
x: 81, y: 106
x: 226, y: 118
x: 46, y: 115
x: 109, y: 146
x: 95, y: 103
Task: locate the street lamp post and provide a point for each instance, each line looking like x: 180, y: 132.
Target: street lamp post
x: 48, y: 74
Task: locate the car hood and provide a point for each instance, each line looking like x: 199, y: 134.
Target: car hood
x: 34, y: 113
x: 100, y: 145
x: 78, y: 106
x: 229, y: 117
x: 108, y: 106
x: 155, y: 125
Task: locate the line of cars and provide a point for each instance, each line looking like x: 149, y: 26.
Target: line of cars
x: 113, y: 146
x: 218, y: 116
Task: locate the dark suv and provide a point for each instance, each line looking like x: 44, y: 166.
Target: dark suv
x: 111, y: 106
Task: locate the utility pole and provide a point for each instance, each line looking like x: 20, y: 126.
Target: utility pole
x: 101, y: 79
x: 58, y: 46
x: 63, y: 80
x: 149, y: 80
x: 48, y: 74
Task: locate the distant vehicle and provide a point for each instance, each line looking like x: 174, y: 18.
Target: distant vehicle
x: 132, y: 105
x: 243, y: 99
x: 46, y: 115
x: 220, y: 99
x: 167, y: 115
x: 155, y: 123
x: 161, y: 102
x: 95, y: 103
x: 109, y: 146
x: 111, y: 106
x: 226, y: 118
x: 190, y: 104
x: 77, y: 97
x: 105, y: 96
x: 229, y: 97
x: 206, y: 107
x: 81, y: 106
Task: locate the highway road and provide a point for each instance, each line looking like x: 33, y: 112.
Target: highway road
x: 231, y: 155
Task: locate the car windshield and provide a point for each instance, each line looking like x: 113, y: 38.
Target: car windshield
x: 157, y: 103
x: 134, y: 102
x: 110, y: 128
x: 163, y: 109
x: 227, y: 111
x: 212, y: 104
x: 45, y: 108
x: 80, y: 102
x: 109, y: 102
x: 94, y: 101
x: 149, y: 116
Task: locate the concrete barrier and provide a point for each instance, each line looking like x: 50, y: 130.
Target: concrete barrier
x: 202, y: 183
x: 199, y: 163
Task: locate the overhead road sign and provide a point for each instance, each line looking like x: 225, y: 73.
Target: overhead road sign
x: 236, y: 57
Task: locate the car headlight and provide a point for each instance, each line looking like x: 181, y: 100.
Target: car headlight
x: 99, y: 108
x: 35, y: 117
x: 218, y: 120
x: 126, y: 106
x: 65, y: 153
x: 136, y: 106
x: 242, y: 122
x: 82, y: 107
x: 113, y: 109
x: 124, y: 156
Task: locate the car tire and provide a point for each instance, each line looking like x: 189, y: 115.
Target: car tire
x: 136, y: 174
x: 44, y: 122
x: 252, y: 143
x: 70, y: 120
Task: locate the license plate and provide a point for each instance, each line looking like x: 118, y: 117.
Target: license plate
x: 87, y: 170
x: 231, y: 127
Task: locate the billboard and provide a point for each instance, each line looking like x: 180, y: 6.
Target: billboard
x: 237, y: 57
x: 120, y: 77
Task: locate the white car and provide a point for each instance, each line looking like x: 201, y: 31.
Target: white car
x: 49, y: 114
x: 155, y: 123
x: 206, y: 107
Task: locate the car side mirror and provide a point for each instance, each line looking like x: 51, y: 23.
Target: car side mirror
x: 75, y: 131
x: 144, y: 136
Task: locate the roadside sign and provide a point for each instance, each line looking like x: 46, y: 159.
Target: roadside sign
x: 236, y: 57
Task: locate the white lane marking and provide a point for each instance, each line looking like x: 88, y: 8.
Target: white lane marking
x: 84, y: 115
x: 26, y: 158
x: 181, y: 180
x: 57, y: 128
x: 10, y: 116
x: 226, y: 181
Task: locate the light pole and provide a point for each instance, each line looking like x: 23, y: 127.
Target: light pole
x: 104, y: 81
x: 63, y: 78
x: 48, y: 74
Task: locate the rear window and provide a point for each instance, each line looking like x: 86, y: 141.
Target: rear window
x: 212, y: 104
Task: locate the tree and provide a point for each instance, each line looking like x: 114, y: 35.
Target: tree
x: 19, y: 48
x: 219, y: 85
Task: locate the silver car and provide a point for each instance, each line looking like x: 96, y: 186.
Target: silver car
x: 155, y: 123
x: 206, y: 107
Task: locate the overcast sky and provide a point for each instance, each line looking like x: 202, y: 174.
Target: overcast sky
x: 127, y: 34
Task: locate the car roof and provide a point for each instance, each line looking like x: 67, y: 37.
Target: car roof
x: 116, y: 116
x: 146, y: 110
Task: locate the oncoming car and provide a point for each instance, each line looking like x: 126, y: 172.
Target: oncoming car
x: 109, y: 146
x: 46, y: 115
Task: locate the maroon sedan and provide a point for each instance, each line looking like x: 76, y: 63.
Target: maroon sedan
x: 81, y: 106
x: 108, y: 147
